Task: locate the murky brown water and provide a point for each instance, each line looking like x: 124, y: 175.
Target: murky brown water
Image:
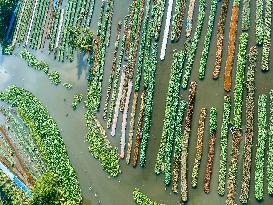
x: 119, y: 191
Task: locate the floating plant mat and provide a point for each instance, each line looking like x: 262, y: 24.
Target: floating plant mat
x: 47, y: 136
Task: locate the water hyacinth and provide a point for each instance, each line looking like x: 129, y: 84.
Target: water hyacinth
x: 267, y: 35
x: 47, y: 135
x: 142, y: 199
x: 33, y: 62
x: 194, y: 44
x: 250, y: 86
x: 177, y: 144
x: 223, y: 146
x: 205, y: 52
x: 199, y: 147
x: 185, y: 142
x: 77, y: 99
x: 260, y: 153
x: 220, y: 39
x: 259, y: 22
x: 212, y: 131
x: 101, y: 148
x: 54, y: 77
x: 231, y: 44
x: 270, y: 148
x: 171, y: 106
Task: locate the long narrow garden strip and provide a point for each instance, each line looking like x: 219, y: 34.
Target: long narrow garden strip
x: 267, y: 35
x: 250, y: 87
x: 185, y: 142
x: 246, y: 15
x: 237, y: 118
x: 212, y: 141
x: 177, y: 144
x: 231, y: 44
x: 205, y: 52
x: 199, y: 147
x: 177, y: 19
x: 171, y: 104
x: 194, y: 44
x: 223, y: 146
x: 112, y: 74
x: 220, y: 39
x: 261, y: 149
x: 270, y: 148
x: 259, y: 22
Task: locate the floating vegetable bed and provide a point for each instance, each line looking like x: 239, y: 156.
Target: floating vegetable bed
x: 142, y: 199
x: 199, y: 147
x: 250, y: 87
x: 223, y: 146
x: 270, y: 148
x: 259, y: 22
x: 261, y: 149
x: 220, y: 39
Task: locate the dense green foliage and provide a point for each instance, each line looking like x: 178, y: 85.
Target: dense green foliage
x: 142, y: 199
x: 47, y: 191
x: 47, y: 136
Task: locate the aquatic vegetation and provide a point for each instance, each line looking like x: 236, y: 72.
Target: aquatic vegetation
x: 267, y: 35
x: 68, y: 86
x: 270, y: 147
x: 246, y: 15
x: 259, y: 22
x: 260, y: 153
x: 220, y: 39
x: 199, y: 147
x: 211, y: 153
x: 170, y: 109
x: 77, y: 99
x: 177, y: 144
x: 47, y: 135
x: 32, y: 61
x: 205, y: 52
x: 237, y: 118
x: 185, y: 142
x: 177, y: 20
x: 54, y: 77
x: 231, y: 44
x: 194, y: 44
x: 101, y: 148
x: 250, y: 87
x: 142, y: 199
x: 223, y: 146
